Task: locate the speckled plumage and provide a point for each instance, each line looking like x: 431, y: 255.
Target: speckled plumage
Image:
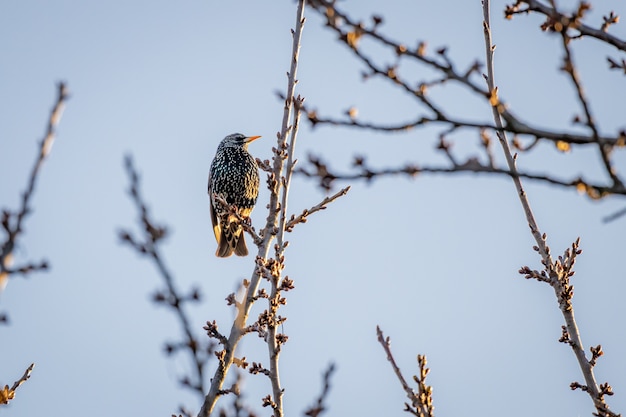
x: 234, y: 175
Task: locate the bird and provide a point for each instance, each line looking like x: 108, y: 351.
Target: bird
x: 234, y: 176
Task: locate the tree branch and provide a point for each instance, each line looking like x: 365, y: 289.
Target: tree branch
x: 553, y: 15
x: 148, y: 245
x: 319, y: 407
x: 558, y: 273
x: 302, y: 217
x: 351, y: 33
x: 421, y: 401
x: 13, y: 222
x: 7, y: 394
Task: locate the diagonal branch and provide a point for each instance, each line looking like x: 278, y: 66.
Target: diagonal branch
x: 7, y: 394
x: 559, y: 272
x: 302, y: 217
x: 13, y: 223
x: 319, y: 407
x: 148, y: 245
x: 421, y: 401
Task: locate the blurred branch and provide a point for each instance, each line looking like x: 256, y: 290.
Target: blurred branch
x: 13, y: 222
x: 327, y: 175
x: 148, y: 245
x: 570, y: 69
x: 614, y: 216
x: 556, y: 273
x: 570, y: 21
x: 422, y: 400
x: 513, y: 125
x: 319, y: 407
x: 352, y: 33
x: 7, y: 394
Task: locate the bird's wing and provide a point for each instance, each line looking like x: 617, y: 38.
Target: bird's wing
x: 216, y: 224
x: 217, y: 230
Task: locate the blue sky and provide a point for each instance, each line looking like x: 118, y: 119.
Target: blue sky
x: 432, y: 260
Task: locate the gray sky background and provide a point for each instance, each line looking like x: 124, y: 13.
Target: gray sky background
x: 432, y: 260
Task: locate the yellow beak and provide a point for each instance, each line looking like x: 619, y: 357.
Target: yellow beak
x: 251, y: 138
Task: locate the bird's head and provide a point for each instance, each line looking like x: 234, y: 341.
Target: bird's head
x: 237, y: 140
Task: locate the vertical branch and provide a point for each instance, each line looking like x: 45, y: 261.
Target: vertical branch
x: 268, y: 233
x: 275, y: 340
x: 291, y: 163
x: 558, y: 273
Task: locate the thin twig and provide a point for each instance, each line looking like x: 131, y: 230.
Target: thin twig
x: 421, y: 401
x: 302, y: 217
x: 614, y: 216
x: 320, y: 406
x: 7, y: 394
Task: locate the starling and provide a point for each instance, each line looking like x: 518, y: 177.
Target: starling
x: 234, y: 176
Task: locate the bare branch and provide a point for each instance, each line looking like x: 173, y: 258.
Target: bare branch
x: 557, y: 273
x: 513, y: 125
x: 604, y: 148
x: 7, y: 394
x: 421, y: 401
x: 12, y: 222
x: 614, y: 216
x: 553, y: 15
x: 327, y: 176
x: 148, y: 245
x: 302, y: 217
x: 351, y: 32
x: 319, y: 407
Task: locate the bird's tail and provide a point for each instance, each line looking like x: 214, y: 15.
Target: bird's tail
x: 231, y: 240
